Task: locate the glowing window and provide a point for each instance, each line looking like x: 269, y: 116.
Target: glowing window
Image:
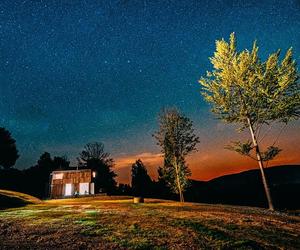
x: 94, y: 174
x: 58, y: 176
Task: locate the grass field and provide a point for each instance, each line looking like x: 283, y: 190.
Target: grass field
x: 10, y: 199
x: 117, y: 223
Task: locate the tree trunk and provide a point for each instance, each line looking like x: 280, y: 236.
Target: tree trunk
x: 178, y: 182
x: 261, y: 167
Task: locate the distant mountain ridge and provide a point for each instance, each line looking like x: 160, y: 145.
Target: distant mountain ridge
x: 245, y: 188
x: 278, y: 174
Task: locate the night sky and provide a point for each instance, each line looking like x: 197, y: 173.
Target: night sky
x: 78, y: 71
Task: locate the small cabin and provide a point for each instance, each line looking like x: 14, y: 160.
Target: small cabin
x: 70, y: 183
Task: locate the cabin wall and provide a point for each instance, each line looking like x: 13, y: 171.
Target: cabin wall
x: 60, y: 179
x: 57, y: 191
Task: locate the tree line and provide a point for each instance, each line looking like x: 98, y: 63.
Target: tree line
x: 172, y: 178
x: 241, y: 89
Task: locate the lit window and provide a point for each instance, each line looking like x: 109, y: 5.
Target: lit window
x: 58, y: 176
x: 94, y: 174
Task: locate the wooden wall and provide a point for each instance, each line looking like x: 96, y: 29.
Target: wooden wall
x: 57, y: 191
x: 75, y: 177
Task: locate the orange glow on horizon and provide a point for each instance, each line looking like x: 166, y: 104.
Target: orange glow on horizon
x: 211, y: 161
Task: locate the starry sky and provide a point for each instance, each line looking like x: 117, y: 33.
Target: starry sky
x: 73, y: 72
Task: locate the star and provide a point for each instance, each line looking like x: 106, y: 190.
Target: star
x: 73, y: 72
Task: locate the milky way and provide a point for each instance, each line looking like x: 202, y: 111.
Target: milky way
x: 72, y: 72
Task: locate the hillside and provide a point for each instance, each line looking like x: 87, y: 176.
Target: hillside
x: 15, y: 199
x: 246, y: 188
x: 117, y: 223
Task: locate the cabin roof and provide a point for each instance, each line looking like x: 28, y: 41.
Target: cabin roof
x: 72, y: 171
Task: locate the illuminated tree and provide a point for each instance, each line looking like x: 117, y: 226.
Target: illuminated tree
x: 252, y: 93
x: 177, y: 139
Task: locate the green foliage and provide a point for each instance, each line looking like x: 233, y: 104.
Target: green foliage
x: 177, y: 139
x: 171, y: 175
x: 241, y: 148
x: 250, y: 92
x: 247, y: 147
x: 242, y: 86
x: 245, y: 90
x: 270, y: 153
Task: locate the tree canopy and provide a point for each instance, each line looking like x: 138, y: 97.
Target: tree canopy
x: 8, y: 150
x: 140, y: 180
x: 94, y: 150
x: 251, y: 92
x: 243, y: 86
x: 177, y: 139
x: 36, y: 178
x: 94, y: 157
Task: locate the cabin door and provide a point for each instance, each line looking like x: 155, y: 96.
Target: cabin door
x: 83, y: 188
x: 68, y: 189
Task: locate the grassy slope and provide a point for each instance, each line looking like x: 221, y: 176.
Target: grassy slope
x: 117, y: 223
x: 15, y: 199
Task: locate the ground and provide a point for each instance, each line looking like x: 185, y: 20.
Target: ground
x: 116, y: 223
x: 10, y: 199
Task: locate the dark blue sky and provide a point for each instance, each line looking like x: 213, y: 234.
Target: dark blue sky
x: 75, y: 71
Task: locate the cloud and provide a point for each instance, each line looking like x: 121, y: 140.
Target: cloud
x: 211, y: 161
x: 123, y: 164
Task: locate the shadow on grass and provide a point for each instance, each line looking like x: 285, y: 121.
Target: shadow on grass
x: 12, y: 202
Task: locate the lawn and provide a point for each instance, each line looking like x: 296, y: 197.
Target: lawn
x: 116, y: 223
x: 10, y: 199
